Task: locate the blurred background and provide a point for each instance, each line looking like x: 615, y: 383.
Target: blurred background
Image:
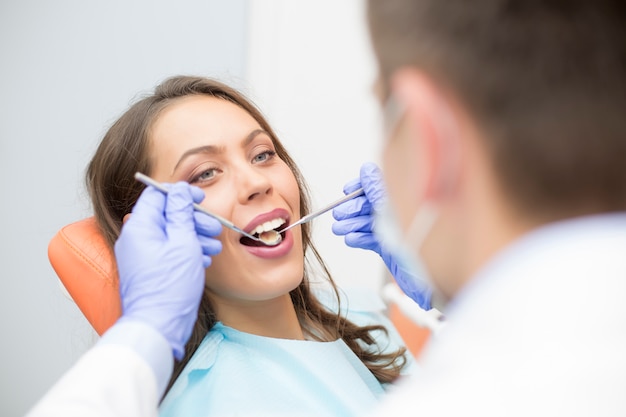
x: 71, y: 67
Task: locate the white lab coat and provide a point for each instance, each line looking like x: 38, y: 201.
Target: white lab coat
x: 124, y: 375
x: 540, y: 331
x: 110, y: 381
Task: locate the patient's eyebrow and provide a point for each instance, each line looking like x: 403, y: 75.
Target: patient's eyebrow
x: 212, y: 149
x: 251, y: 137
x: 208, y: 149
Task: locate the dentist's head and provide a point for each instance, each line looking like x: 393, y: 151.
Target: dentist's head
x: 502, y: 116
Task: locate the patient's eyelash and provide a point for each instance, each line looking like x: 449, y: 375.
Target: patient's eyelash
x: 199, y: 178
x: 267, y: 154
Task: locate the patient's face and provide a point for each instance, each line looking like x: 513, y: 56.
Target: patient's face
x: 217, y: 146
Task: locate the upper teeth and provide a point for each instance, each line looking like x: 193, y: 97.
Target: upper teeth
x: 267, y: 226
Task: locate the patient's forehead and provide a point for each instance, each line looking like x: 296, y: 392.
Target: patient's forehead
x: 196, y: 121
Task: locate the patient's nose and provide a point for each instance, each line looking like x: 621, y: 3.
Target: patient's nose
x: 253, y: 184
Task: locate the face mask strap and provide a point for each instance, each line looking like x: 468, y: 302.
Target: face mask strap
x: 421, y: 225
x: 392, y: 114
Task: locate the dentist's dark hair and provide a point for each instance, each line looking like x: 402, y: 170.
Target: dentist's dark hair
x: 544, y: 81
x: 124, y: 150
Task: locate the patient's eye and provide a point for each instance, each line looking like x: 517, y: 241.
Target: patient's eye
x: 264, y: 156
x: 204, y: 176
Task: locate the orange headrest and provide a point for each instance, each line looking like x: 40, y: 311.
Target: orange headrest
x: 84, y: 263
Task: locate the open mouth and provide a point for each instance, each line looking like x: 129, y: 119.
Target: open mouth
x: 269, y: 231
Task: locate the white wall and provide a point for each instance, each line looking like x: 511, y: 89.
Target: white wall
x: 69, y: 68
x: 311, y: 71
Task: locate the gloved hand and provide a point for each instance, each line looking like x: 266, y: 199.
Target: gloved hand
x: 355, y: 220
x: 161, y: 255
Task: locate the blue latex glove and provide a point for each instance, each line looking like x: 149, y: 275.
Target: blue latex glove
x: 161, y: 255
x: 355, y: 220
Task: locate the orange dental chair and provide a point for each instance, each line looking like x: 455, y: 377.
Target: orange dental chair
x: 84, y: 263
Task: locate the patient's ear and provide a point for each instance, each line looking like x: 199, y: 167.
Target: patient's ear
x: 126, y: 217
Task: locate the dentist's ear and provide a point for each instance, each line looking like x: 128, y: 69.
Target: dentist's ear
x: 432, y: 122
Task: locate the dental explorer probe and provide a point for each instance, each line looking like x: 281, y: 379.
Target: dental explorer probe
x: 309, y: 217
x: 143, y: 178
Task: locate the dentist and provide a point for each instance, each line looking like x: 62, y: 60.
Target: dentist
x: 504, y: 162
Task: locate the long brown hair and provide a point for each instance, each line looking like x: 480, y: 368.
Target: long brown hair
x: 113, y: 190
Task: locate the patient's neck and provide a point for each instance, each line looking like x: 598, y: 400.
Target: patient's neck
x: 271, y: 318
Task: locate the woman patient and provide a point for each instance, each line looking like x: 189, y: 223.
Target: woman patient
x: 264, y: 342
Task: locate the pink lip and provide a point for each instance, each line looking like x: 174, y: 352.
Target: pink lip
x: 265, y: 217
x: 270, y: 252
